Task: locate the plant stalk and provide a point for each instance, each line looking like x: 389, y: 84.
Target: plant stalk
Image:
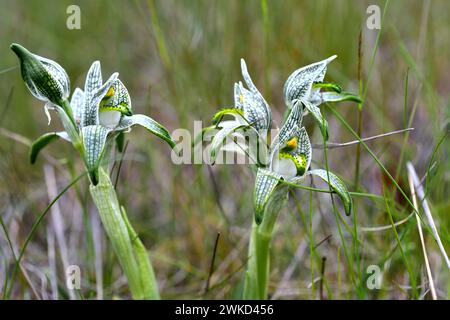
x: 129, y: 250
x: 258, y: 265
x: 256, y: 277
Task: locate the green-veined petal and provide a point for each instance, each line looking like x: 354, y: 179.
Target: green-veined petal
x: 320, y: 120
x: 90, y: 116
x: 293, y: 120
x: 77, y: 103
x: 149, y: 124
x: 70, y: 129
x: 294, y: 157
x: 335, y: 97
x: 299, y: 83
x: 337, y: 185
x: 93, y: 81
x: 45, y: 78
x: 265, y: 184
x: 118, y: 99
x: 94, y: 140
x: 256, y: 109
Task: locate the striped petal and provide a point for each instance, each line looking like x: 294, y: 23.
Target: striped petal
x: 293, y: 120
x: 117, y: 98
x: 266, y: 182
x: 71, y: 131
x: 293, y: 159
x: 317, y: 115
x: 148, y: 123
x: 269, y: 196
x: 322, y: 97
x: 94, y: 140
x: 337, y: 185
x: 299, y: 84
x: 58, y: 74
x: 46, y: 79
x: 77, y: 103
x: 251, y: 102
x: 93, y: 81
x: 90, y: 116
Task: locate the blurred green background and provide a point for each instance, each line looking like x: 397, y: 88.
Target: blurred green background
x: 179, y: 61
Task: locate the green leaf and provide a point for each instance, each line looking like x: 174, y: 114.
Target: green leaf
x: 337, y: 185
x: 94, y: 140
x: 41, y: 142
x: 149, y: 124
x: 266, y: 182
x: 320, y: 120
x: 299, y: 84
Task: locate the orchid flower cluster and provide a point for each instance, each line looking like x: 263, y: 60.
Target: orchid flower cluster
x: 93, y: 118
x: 286, y: 162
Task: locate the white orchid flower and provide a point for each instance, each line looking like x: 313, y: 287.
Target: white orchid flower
x: 306, y: 84
x: 251, y: 115
x: 289, y: 164
x: 289, y: 155
x: 93, y: 118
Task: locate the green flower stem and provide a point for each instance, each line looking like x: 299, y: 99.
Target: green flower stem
x: 70, y: 126
x: 258, y: 265
x: 65, y: 104
x: 130, y: 251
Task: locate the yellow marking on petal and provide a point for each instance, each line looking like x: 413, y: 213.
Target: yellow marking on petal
x: 241, y: 98
x: 110, y: 93
x: 291, y: 144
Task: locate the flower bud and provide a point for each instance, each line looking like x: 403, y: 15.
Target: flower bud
x: 45, y: 79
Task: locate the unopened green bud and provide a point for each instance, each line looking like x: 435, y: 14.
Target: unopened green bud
x: 45, y: 79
